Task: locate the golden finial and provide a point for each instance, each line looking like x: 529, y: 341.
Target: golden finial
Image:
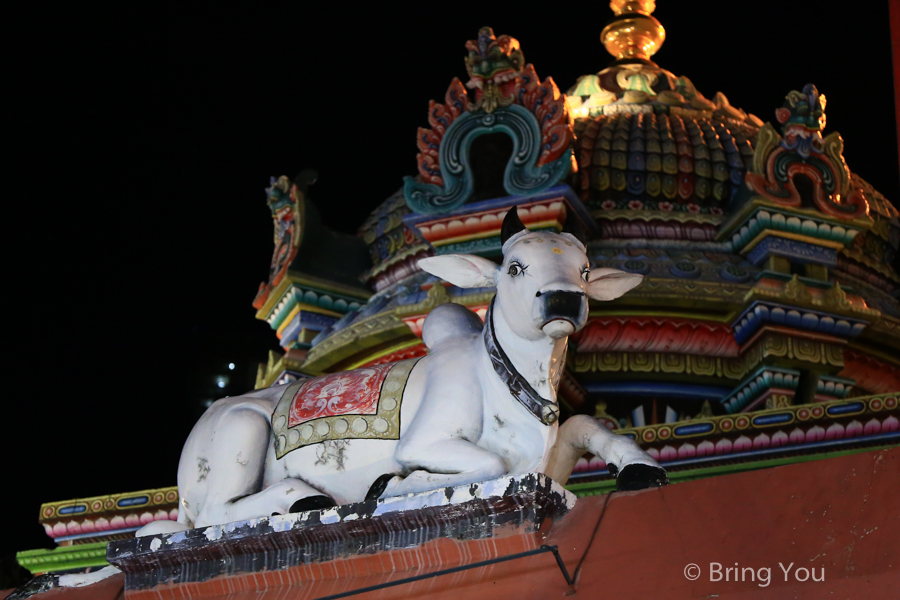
x: 634, y: 35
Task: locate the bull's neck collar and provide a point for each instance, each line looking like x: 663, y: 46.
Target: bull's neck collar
x: 546, y: 411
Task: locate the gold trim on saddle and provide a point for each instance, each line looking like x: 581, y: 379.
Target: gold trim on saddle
x: 383, y: 425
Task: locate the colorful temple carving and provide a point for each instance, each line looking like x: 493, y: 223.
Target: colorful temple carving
x: 767, y: 328
x: 314, y: 279
x: 767, y: 323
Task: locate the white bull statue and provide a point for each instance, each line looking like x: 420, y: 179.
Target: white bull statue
x: 482, y: 403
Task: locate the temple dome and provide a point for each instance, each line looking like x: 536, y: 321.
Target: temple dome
x: 638, y: 158
x: 654, y: 159
x: 752, y: 237
x: 647, y: 139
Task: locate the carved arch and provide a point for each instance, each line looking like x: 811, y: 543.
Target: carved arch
x: 521, y: 177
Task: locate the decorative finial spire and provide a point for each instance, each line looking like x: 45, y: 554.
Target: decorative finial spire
x: 634, y: 35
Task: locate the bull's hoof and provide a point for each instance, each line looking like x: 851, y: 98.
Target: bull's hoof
x: 311, y: 503
x: 639, y: 477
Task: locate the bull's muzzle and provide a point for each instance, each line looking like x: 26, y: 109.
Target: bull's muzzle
x: 561, y: 313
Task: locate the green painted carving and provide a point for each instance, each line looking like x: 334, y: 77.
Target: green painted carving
x: 482, y: 246
x: 297, y: 294
x: 779, y: 220
x: 605, y: 486
x: 522, y: 176
x: 63, y: 558
x: 489, y: 245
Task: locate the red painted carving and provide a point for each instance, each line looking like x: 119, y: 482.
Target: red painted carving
x: 572, y: 392
x: 861, y: 271
x: 549, y: 106
x: 490, y: 221
x: 871, y: 374
x: 781, y: 189
x: 411, y: 352
x: 657, y: 229
x: 400, y: 269
x: 440, y: 117
x: 637, y: 334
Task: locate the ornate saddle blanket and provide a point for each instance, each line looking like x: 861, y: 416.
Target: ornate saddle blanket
x: 352, y: 405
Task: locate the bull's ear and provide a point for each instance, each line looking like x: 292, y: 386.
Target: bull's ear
x: 462, y: 270
x: 609, y: 284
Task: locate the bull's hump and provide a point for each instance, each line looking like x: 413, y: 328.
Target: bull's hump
x: 459, y: 348
x: 449, y: 324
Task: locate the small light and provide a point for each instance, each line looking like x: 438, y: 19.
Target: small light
x: 231, y: 366
x: 221, y: 384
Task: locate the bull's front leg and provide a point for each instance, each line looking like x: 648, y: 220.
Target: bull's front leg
x: 437, y: 463
x: 634, y: 469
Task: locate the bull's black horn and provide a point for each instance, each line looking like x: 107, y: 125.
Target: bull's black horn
x: 574, y: 226
x: 511, y: 225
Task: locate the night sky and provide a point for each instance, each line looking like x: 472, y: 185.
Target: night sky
x: 144, y: 140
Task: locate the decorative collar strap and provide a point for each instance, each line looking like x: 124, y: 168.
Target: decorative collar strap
x: 543, y: 410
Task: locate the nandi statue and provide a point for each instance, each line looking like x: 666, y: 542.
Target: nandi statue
x: 482, y: 404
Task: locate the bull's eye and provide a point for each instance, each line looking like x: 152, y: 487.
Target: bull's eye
x: 516, y: 269
x: 585, y: 272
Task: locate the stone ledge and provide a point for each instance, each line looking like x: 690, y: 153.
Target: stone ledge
x: 504, y: 506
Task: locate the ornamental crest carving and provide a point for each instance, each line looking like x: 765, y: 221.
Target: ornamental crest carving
x: 780, y: 164
x: 507, y: 97
x: 285, y: 200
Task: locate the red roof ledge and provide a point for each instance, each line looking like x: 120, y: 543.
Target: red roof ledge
x: 833, y: 519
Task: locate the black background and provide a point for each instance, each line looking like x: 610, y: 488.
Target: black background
x: 143, y: 138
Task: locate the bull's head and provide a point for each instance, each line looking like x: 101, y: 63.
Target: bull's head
x: 543, y: 283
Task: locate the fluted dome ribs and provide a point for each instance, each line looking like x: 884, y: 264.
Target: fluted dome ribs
x: 662, y: 161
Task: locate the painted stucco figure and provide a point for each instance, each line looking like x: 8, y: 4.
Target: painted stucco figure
x: 482, y: 403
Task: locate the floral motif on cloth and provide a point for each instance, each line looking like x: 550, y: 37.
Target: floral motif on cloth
x: 338, y: 394
x: 359, y: 404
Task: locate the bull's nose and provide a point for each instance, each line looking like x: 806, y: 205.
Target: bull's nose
x: 560, y: 313
x: 563, y: 301
x: 539, y: 293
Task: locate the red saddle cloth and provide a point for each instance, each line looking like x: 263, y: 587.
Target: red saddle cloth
x: 359, y: 404
x: 351, y: 392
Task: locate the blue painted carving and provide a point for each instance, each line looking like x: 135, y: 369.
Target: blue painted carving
x: 758, y: 383
x: 72, y: 510
x: 770, y: 420
x: 834, y: 387
x: 522, y: 176
x: 636, y: 266
x: 761, y: 313
x: 693, y: 429
x: 685, y: 269
x: 662, y: 389
x: 304, y: 320
x: 735, y: 273
x: 851, y: 408
x: 794, y: 250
